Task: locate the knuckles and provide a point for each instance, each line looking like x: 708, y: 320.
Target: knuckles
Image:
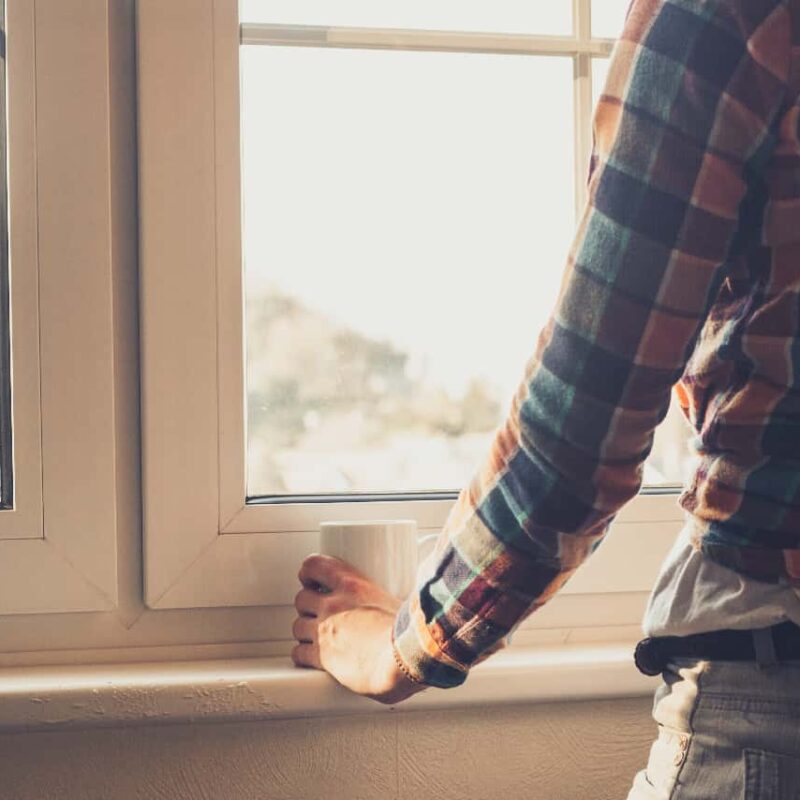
x: 296, y: 628
x: 330, y: 606
x: 338, y: 603
x: 309, y: 562
x: 325, y: 605
x: 351, y: 586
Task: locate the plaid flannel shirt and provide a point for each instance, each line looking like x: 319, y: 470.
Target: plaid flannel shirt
x: 685, y: 270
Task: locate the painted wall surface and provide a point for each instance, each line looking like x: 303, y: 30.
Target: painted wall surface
x: 566, y: 751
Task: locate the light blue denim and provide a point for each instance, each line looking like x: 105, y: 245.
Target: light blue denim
x: 726, y: 731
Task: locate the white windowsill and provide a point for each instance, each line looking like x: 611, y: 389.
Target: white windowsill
x: 262, y: 689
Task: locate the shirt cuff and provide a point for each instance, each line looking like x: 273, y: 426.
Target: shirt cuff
x: 419, y: 657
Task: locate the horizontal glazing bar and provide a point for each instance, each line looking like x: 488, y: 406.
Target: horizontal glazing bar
x: 365, y: 497
x: 441, y: 41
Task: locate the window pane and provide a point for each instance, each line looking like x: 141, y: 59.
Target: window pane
x: 671, y: 461
x: 608, y: 17
x: 406, y: 222
x: 6, y: 463
x: 506, y: 16
x: 599, y: 75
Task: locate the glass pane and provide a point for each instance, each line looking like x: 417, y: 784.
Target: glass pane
x: 406, y: 221
x: 506, y: 16
x: 671, y: 462
x: 6, y: 463
x: 608, y: 17
x: 599, y: 75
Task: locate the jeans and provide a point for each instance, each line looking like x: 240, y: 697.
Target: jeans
x: 726, y: 731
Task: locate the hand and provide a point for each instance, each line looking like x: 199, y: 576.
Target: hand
x: 344, y: 626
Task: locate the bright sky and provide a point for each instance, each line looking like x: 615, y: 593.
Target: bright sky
x: 506, y: 16
x: 423, y: 198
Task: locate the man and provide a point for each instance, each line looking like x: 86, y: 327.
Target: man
x: 685, y: 270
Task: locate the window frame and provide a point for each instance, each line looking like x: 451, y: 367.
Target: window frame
x: 6, y: 429
x: 205, y: 545
x: 58, y: 540
x: 23, y: 518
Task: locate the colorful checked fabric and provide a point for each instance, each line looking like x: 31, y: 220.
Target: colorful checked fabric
x: 685, y: 270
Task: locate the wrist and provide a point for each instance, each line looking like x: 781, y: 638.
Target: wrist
x: 402, y: 671
x: 399, y: 684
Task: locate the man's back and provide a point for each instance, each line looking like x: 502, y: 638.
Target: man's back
x: 741, y: 387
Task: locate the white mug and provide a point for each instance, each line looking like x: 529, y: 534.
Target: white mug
x: 386, y: 551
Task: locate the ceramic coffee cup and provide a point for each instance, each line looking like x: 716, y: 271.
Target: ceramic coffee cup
x: 386, y: 551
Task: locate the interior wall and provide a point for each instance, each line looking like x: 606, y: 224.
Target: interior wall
x: 564, y: 751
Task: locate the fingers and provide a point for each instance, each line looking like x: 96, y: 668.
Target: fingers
x: 308, y: 602
x: 306, y: 655
x: 305, y: 629
x: 324, y: 571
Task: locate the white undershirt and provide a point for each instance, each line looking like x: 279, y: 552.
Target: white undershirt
x: 693, y: 594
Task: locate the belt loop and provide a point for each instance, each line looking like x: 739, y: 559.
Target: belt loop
x: 764, y: 646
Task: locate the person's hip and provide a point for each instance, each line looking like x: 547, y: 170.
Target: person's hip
x: 726, y: 729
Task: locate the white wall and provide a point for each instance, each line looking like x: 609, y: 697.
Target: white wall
x: 566, y: 751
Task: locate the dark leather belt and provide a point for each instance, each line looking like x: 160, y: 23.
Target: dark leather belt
x: 766, y: 646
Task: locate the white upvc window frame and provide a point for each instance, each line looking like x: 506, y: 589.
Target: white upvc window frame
x: 58, y: 540
x: 205, y: 545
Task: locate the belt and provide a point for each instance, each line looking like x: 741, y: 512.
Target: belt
x: 766, y: 646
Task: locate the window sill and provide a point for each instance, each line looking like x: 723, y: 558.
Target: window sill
x: 51, y: 698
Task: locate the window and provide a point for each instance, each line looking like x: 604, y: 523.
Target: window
x: 381, y: 189
x: 608, y: 17
x: 57, y: 515
x: 70, y: 548
x: 502, y: 16
x: 316, y: 180
x: 407, y: 209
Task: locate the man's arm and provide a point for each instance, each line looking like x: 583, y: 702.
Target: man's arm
x: 682, y: 132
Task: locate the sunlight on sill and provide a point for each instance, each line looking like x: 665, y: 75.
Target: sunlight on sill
x: 263, y: 689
